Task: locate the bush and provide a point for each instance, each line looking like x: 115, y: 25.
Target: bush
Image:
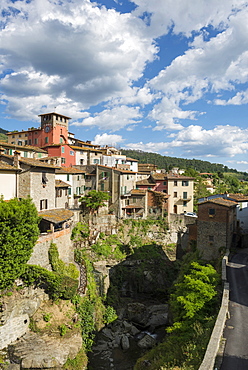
x: 55, y: 285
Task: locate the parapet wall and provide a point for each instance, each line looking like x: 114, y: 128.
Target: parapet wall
x: 214, y: 342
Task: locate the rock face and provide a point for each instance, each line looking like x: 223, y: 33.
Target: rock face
x: 42, y: 352
x: 15, y: 313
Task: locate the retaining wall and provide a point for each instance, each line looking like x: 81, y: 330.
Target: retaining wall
x: 214, y: 342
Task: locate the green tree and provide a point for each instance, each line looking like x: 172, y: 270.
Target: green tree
x: 94, y: 200
x: 194, y: 294
x: 19, y: 232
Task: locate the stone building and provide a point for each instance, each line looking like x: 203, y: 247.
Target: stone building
x: 216, y: 227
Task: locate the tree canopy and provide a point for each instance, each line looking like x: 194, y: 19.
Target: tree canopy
x: 19, y: 232
x: 94, y: 200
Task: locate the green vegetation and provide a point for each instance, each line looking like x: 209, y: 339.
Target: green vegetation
x: 193, y: 305
x: 19, y: 233
x: 56, y: 285
x: 169, y: 162
x: 94, y: 200
x: 59, y: 266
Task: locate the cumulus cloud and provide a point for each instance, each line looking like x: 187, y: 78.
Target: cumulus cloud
x: 185, y: 16
x: 112, y: 119
x: 105, y: 139
x: 89, y: 53
x: 222, y: 141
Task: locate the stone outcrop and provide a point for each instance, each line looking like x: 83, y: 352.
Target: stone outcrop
x: 33, y: 351
x: 16, y: 311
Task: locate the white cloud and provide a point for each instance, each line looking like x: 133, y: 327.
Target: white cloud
x: 194, y: 141
x: 88, y: 53
x: 106, y: 139
x: 112, y: 119
x: 167, y: 113
x: 240, y: 98
x: 186, y: 16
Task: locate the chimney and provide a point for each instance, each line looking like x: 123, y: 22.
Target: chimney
x: 17, y: 156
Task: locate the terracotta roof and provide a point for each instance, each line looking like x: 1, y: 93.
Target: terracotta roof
x: 69, y: 170
x: 23, y: 147
x: 165, y: 195
x: 85, y: 148
x: 36, y: 163
x: 159, y: 176
x: 145, y: 182
x: 138, y: 191
x: 221, y: 202
x: 132, y: 159
x: 238, y: 197
x: 8, y: 167
x: 61, y: 184
x: 56, y: 215
x: 178, y: 177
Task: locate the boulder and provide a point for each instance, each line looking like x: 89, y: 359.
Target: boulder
x: 147, y: 342
x: 125, y: 342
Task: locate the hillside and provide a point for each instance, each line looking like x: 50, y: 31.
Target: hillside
x: 3, y: 136
x: 170, y: 162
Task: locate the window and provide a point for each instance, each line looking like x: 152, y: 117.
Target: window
x: 175, y: 183
x: 10, y: 151
x: 66, y: 192
x: 78, y: 190
x: 78, y: 177
x: 46, y: 140
x: 185, y: 203
x: 102, y: 186
x: 35, y: 141
x: 43, y: 204
x: 175, y: 194
x: 13, y: 136
x: 67, y: 177
x: 71, y: 152
x: 29, y: 141
x: 62, y: 160
x: 58, y: 193
x: 19, y: 142
x: 26, y: 135
x: 44, y: 178
x: 20, y: 135
x: 69, y: 191
x: 25, y: 154
x: 211, y: 212
x: 185, y: 195
x: 62, y: 149
x: 185, y: 183
x: 96, y: 161
x: 61, y: 140
x: 26, y: 142
x: 165, y: 183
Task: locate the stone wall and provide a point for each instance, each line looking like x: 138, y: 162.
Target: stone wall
x: 64, y: 244
x: 211, y: 236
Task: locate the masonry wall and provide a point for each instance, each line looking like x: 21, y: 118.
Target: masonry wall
x: 64, y: 244
x: 41, y: 191
x: 209, y: 249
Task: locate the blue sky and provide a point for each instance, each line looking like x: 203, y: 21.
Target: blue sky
x: 163, y: 76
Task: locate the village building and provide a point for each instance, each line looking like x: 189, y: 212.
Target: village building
x: 75, y: 179
x: 216, y: 227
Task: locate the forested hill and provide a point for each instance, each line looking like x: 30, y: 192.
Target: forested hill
x: 3, y: 136
x: 170, y: 162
